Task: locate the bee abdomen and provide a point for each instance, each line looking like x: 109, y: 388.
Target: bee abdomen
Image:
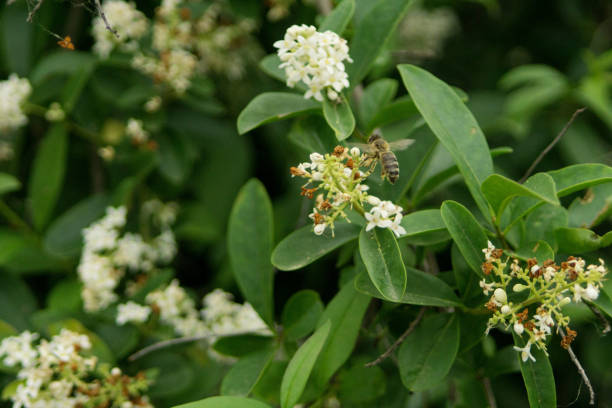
x: 389, y: 163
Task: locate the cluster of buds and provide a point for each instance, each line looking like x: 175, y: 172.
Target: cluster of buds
x: 544, y: 288
x: 60, y: 373
x: 316, y: 59
x: 336, y: 181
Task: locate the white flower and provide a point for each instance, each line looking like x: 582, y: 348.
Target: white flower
x: 518, y: 328
x: 372, y: 200
x: 397, y: 229
x: 177, y: 71
x: 13, y: 94
x: 500, y: 295
x: 486, y: 287
x: 355, y: 151
x: 315, y: 59
x: 107, y: 153
x: 55, y: 113
x: 488, y: 251
x: 505, y: 309
x: 123, y: 17
x: 153, y: 104
x: 319, y: 229
x: 19, y: 350
x: 592, y: 292
x: 525, y: 352
x: 136, y: 132
x: 132, y: 312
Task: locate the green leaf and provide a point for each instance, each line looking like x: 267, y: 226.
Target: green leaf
x: 8, y: 183
x: 376, y: 96
x: 360, y: 384
x: 604, y: 302
x: 421, y: 289
x: 383, y: 260
x: 303, y: 247
x: 539, y: 250
x: 273, y: 106
x: 538, y: 377
x: 59, y: 63
x: 345, y: 311
x: 372, y: 34
x: 249, y: 241
x: 542, y: 222
x: 428, y: 353
x: 63, y: 237
x: 244, y: 375
x: 580, y: 240
x: 499, y: 190
x: 17, y: 36
x: 339, y: 18
x: 11, y: 242
x: 66, y: 295
x: 47, y: 175
x: 454, y: 125
x: 75, y: 85
x: 339, y: 117
x: 312, y: 134
x: 301, y: 314
x: 580, y: 176
x: 242, y: 345
x: 401, y: 109
x: 466, y: 232
x: 592, y: 209
x: 17, y: 302
x: 424, y: 227
x: 224, y: 402
x: 301, y: 364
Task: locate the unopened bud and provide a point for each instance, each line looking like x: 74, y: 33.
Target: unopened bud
x: 564, y: 301
x: 519, y: 287
x: 518, y: 328
x: 505, y: 309
x: 500, y: 295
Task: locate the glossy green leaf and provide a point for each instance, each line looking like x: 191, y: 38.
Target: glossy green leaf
x: 540, y: 250
x: 542, y: 222
x: 301, y: 314
x: 17, y: 302
x: 339, y: 18
x: 383, y: 260
x: 538, y: 377
x: 301, y: 364
x: 61, y: 62
x: 466, y: 232
x: 580, y: 240
x: 312, y: 134
x: 580, y: 176
x: 224, y: 402
x: 303, y: 247
x: 75, y: 85
x: 250, y: 240
x: 345, y: 311
x: 11, y: 242
x: 372, y: 34
x: 421, y: 289
x: 66, y: 295
x: 401, y: 109
x: 47, y: 177
x: 8, y: 183
x: 273, y: 106
x: 376, y: 96
x: 242, y: 345
x: 426, y: 356
x: 17, y: 38
x: 592, y: 209
x: 64, y: 235
x: 244, y: 374
x: 503, y: 362
x: 455, y: 127
x: 424, y: 227
x: 498, y: 190
x: 339, y: 117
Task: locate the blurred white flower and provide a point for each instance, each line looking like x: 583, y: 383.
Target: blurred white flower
x: 132, y: 312
x: 124, y: 18
x: 13, y: 93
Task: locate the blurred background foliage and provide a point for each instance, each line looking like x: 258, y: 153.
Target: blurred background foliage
x: 526, y: 67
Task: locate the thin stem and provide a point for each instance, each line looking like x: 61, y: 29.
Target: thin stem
x: 400, y: 339
x: 606, y: 324
x: 582, y: 374
x: 551, y: 145
x: 103, y: 16
x: 34, y: 10
x: 486, y: 382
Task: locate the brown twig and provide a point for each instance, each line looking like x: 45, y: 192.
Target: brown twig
x: 551, y: 145
x: 103, y: 16
x: 582, y: 374
x: 400, y: 339
x: 34, y: 10
x: 606, y: 324
x: 486, y: 382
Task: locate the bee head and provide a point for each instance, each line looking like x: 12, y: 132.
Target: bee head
x: 374, y: 136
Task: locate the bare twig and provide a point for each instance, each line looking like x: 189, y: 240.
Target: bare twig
x: 103, y: 16
x: 486, y: 382
x: 606, y: 324
x: 400, y: 339
x: 582, y: 374
x: 551, y: 145
x: 34, y: 10
x: 181, y: 340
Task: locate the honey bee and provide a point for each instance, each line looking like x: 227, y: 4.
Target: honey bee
x: 381, y: 150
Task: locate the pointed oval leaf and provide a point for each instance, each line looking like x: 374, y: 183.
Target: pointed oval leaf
x: 580, y: 176
x: 539, y: 250
x: 466, y: 232
x: 8, y: 183
x: 376, y: 96
x: 345, y: 311
x: 339, y: 18
x: 273, y: 106
x: 424, y: 227
x: 339, y: 117
x: 47, y: 176
x: 303, y: 247
x: 580, y: 240
x: 244, y: 375
x: 249, y: 242
x: 372, y: 34
x: 301, y: 314
x: 224, y: 402
x: 301, y: 364
x: 383, y: 260
x: 428, y: 353
x: 538, y: 377
x: 454, y: 125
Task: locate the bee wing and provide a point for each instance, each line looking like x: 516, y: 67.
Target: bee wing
x: 400, y: 144
x: 364, y: 147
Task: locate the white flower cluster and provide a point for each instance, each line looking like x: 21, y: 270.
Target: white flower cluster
x: 130, y: 24
x: 175, y: 68
x: 54, y: 374
x: 132, y: 312
x: 338, y: 174
x: 384, y: 214
x: 316, y: 59
x: 136, y: 132
x: 13, y: 93
x: 223, y: 316
x: 107, y: 255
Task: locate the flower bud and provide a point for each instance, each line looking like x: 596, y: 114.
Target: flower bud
x: 592, y: 292
x: 373, y: 200
x: 319, y: 229
x: 355, y: 151
x: 518, y: 328
x: 505, y: 309
x: 564, y: 301
x: 519, y: 287
x: 500, y: 295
